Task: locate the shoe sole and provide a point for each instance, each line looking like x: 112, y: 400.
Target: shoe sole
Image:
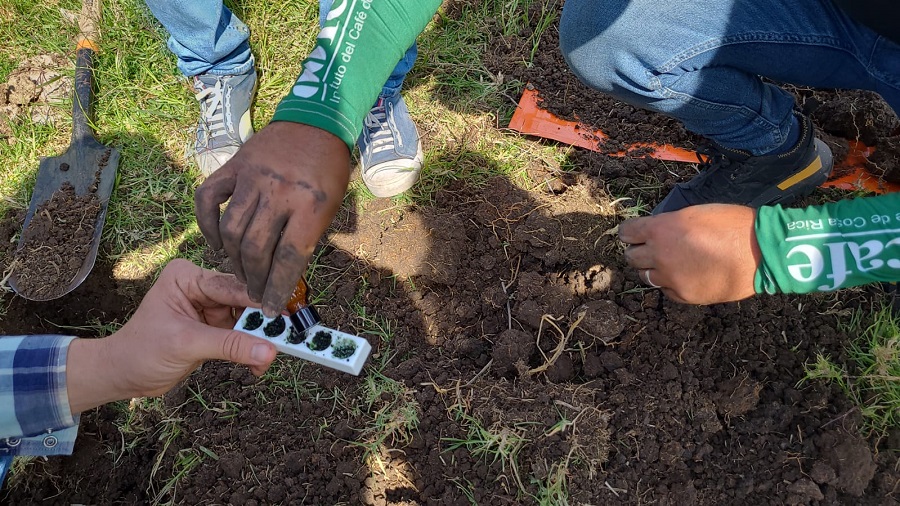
x: 800, y: 184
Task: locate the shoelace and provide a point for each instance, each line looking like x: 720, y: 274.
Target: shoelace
x: 214, y: 114
x: 707, y: 155
x: 379, y: 127
x: 711, y: 159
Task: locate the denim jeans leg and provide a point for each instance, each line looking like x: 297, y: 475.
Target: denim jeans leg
x: 206, y: 37
x: 700, y: 61
x: 395, y: 82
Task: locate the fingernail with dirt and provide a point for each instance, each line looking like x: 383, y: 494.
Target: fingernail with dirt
x: 270, y: 312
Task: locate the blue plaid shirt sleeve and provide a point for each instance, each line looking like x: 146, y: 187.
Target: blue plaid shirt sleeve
x: 35, y: 418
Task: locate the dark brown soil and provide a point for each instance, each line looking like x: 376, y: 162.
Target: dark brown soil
x: 514, y: 309
x: 55, y: 244
x: 58, y: 239
x: 885, y: 161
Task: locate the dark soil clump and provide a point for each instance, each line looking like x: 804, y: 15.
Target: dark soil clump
x: 55, y: 244
x: 253, y: 321
x: 320, y: 341
x: 295, y: 336
x: 885, y: 161
x: 274, y: 327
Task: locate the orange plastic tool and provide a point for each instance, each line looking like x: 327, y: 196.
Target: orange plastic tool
x: 530, y: 119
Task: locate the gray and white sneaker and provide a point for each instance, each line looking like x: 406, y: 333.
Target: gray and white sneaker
x: 390, y: 152
x: 224, y: 118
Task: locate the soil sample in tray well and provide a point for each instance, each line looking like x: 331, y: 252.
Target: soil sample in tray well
x: 322, y: 345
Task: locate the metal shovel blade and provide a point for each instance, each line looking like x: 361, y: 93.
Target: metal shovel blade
x: 90, y: 168
x: 84, y: 174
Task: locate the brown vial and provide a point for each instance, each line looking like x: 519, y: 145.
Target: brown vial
x: 302, y: 314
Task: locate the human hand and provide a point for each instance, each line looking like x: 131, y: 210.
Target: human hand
x: 698, y: 255
x: 186, y: 318
x: 286, y: 184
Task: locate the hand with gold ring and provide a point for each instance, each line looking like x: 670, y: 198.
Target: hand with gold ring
x: 699, y: 255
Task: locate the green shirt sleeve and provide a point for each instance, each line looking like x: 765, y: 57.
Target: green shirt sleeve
x: 828, y: 247
x: 355, y: 52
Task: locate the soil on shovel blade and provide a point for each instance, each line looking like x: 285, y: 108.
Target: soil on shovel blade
x: 512, y: 308
x: 58, y: 239
x: 55, y: 244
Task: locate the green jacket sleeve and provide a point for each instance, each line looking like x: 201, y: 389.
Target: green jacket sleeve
x: 828, y: 247
x: 355, y: 52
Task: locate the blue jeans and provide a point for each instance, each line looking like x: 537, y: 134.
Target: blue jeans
x: 5, y: 464
x: 700, y: 61
x: 208, y: 39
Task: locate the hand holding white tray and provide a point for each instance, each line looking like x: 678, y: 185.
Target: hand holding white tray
x: 319, y: 344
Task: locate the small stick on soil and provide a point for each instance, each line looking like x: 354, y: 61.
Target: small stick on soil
x: 562, y: 342
x: 610, y: 231
x: 7, y: 274
x: 826, y: 424
x: 614, y: 490
x: 504, y: 286
x: 514, y: 465
x: 550, y: 320
x: 480, y: 373
x: 469, y: 383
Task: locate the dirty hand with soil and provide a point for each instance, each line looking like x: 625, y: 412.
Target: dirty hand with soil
x: 286, y: 185
x: 287, y: 182
x: 185, y: 319
x: 699, y: 255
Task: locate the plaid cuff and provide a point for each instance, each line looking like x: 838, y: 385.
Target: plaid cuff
x: 35, y: 418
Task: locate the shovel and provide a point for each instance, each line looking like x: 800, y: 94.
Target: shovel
x: 88, y: 166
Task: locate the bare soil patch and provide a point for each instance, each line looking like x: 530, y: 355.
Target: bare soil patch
x: 34, y: 90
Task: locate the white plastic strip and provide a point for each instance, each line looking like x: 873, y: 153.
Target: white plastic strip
x: 319, y: 344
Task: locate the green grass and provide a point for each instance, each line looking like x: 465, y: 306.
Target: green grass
x: 493, y: 444
x: 389, y: 409
x: 553, y: 491
x: 871, y: 377
x: 186, y: 460
x: 503, y: 443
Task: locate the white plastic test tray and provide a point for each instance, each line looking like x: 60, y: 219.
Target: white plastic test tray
x: 344, y: 352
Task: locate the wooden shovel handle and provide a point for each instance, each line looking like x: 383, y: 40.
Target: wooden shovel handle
x: 89, y: 25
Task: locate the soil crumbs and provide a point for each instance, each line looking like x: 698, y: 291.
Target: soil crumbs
x: 34, y: 90
x: 534, y: 363
x: 55, y: 243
